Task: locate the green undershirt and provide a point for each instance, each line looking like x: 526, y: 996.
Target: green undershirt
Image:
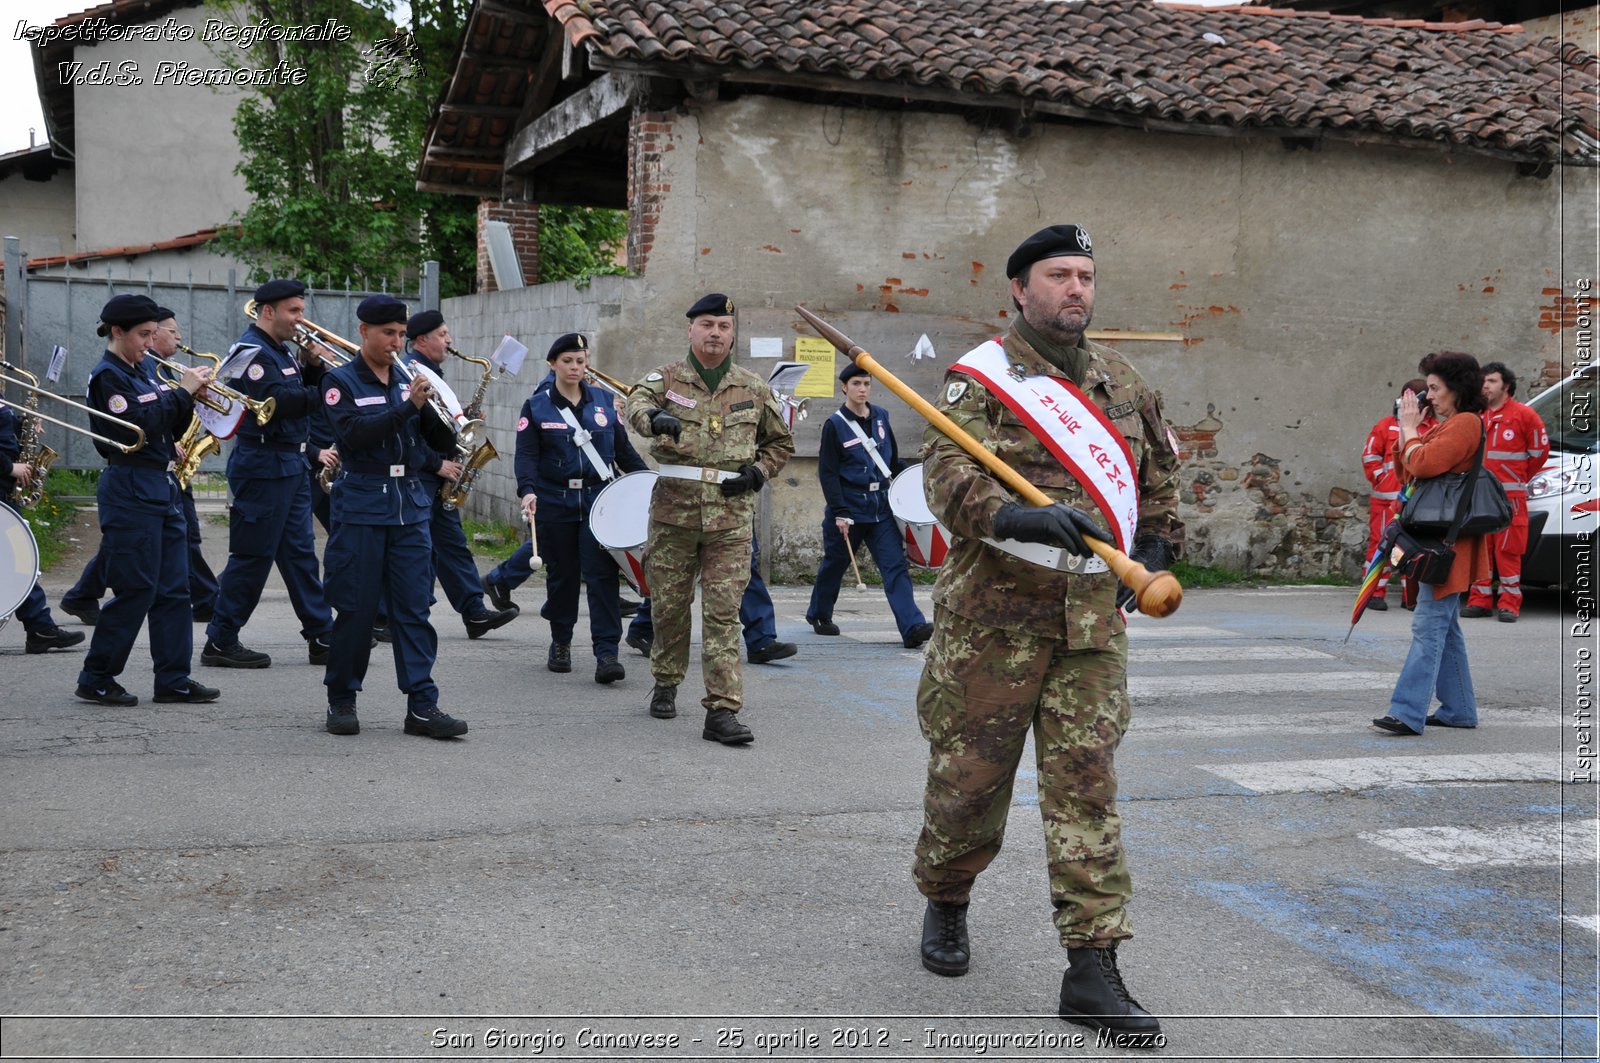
x: 712, y: 377
x: 1073, y: 361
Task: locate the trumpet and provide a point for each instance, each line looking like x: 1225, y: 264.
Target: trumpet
x: 262, y: 410
x: 11, y: 374
x: 331, y: 348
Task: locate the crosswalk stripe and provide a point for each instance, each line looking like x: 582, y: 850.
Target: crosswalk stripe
x: 1548, y: 843
x: 1279, y: 683
x: 1365, y: 773
x: 1214, y: 654
x: 1321, y: 722
x: 1151, y: 629
x: 1591, y: 923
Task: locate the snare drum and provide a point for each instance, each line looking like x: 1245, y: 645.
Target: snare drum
x: 926, y: 540
x: 620, y: 522
x: 19, y: 561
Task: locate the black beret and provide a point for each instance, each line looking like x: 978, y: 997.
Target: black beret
x: 423, y: 323
x: 381, y: 310
x: 126, y: 311
x: 272, y: 291
x: 850, y: 372
x: 716, y: 303
x: 164, y: 312
x: 572, y: 341
x: 1055, y: 241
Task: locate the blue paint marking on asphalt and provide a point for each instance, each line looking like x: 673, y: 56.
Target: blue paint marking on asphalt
x: 893, y: 695
x: 1443, y: 947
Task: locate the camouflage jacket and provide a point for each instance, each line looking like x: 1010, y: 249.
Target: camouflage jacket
x: 991, y: 587
x: 738, y: 424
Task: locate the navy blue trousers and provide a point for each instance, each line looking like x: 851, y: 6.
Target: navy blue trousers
x: 756, y: 612
x: 396, y: 561
x: 453, y: 563
x: 34, y: 612
x: 882, y: 537
x: 144, y: 547
x: 91, y: 585
x: 270, y: 522
x: 572, y: 556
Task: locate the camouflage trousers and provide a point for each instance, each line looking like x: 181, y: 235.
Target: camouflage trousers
x: 981, y: 691
x: 721, y: 561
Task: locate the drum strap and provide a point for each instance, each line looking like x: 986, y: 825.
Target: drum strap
x: 583, y: 438
x: 866, y: 441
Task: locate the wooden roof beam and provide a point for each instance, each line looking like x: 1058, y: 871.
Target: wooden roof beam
x: 553, y: 132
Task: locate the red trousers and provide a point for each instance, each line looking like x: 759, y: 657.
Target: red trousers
x: 1380, y: 511
x: 1505, y: 562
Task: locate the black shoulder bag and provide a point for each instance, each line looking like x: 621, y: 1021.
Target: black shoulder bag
x: 1442, y: 509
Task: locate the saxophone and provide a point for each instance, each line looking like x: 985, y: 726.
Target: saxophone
x: 33, y: 452
x: 197, y: 444
x: 472, y: 458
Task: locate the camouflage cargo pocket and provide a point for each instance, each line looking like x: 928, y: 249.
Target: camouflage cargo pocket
x: 941, y: 706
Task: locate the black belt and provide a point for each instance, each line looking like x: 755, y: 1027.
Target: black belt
x: 129, y: 461
x: 282, y: 448
x: 376, y: 468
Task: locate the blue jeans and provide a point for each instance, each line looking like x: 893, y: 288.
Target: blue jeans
x: 1437, y: 663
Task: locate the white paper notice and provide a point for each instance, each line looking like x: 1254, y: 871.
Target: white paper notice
x: 766, y: 346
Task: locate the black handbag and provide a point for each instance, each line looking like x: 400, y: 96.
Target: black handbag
x: 1457, y: 503
x: 1423, y: 560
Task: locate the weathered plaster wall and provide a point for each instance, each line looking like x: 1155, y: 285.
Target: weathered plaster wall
x: 41, y: 213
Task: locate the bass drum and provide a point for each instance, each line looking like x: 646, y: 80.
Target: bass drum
x: 19, y: 562
x: 926, y: 540
x: 620, y: 522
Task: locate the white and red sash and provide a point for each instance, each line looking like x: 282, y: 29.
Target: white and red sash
x: 1075, y: 431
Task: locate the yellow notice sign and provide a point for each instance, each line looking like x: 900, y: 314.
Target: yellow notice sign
x: 817, y: 354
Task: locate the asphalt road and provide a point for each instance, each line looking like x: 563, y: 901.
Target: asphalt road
x: 577, y: 880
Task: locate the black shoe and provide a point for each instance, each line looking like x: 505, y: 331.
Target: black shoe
x: 1092, y: 995
x: 629, y: 607
x: 640, y: 643
x: 1394, y: 726
x: 1473, y: 612
x: 317, y: 651
x: 194, y: 694
x: 431, y: 723
x: 772, y: 651
x: 722, y: 725
x: 608, y: 669
x: 52, y: 639
x: 481, y: 625
x: 664, y: 702
x: 918, y: 634
x: 342, y: 720
x: 946, y: 949
x: 1380, y: 604
x: 1434, y: 721
x: 88, y: 613
x: 380, y: 633
x: 112, y: 693
x: 498, y: 593
x: 235, y: 656
x: 204, y: 614
x: 560, y: 659
x: 823, y: 627
x: 1506, y: 616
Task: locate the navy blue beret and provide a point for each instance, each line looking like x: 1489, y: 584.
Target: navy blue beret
x: 572, y: 341
x: 850, y: 372
x: 126, y: 311
x: 272, y: 291
x: 716, y: 303
x: 381, y: 310
x: 423, y: 323
x: 163, y: 312
x: 1055, y: 241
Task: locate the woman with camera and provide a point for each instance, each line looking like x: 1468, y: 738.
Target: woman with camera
x: 1437, y: 662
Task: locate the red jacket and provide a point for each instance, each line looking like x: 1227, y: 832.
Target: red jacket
x: 1376, y: 462
x: 1517, y: 445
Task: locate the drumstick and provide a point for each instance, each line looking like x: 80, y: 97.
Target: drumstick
x: 1159, y: 593
x: 533, y: 540
x: 847, y: 545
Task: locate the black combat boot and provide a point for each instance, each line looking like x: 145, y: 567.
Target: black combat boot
x: 664, y: 702
x: 1092, y: 995
x: 560, y: 658
x: 722, y: 725
x: 945, y: 947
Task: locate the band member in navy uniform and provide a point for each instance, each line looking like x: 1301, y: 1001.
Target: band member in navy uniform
x: 144, y: 537
x: 270, y: 518
x: 570, y: 442
x: 203, y: 585
x: 452, y: 558
x: 321, y: 454
x: 42, y: 633
x: 384, y: 429
x: 855, y: 462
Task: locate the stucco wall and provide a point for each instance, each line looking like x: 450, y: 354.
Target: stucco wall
x: 40, y: 212
x: 1301, y: 286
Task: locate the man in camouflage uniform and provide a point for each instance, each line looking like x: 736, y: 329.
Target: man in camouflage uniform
x: 1019, y: 646
x: 717, y: 435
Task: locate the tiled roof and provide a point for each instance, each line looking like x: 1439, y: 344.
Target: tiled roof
x: 1471, y: 85
x: 177, y: 243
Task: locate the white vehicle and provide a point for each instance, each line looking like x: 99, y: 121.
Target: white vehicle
x: 1562, y: 500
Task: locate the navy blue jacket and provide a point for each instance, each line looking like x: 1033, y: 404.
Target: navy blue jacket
x: 131, y: 394
x: 377, y: 429
x: 548, y: 460
x: 847, y: 470
x: 10, y: 450
x: 274, y: 449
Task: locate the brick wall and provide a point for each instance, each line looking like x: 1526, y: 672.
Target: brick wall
x: 649, y: 138
x: 524, y: 221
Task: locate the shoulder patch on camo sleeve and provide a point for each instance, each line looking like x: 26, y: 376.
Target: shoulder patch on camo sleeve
x: 953, y: 392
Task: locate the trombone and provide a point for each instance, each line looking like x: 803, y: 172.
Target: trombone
x: 11, y: 374
x: 334, y: 350
x: 263, y: 410
x: 611, y: 382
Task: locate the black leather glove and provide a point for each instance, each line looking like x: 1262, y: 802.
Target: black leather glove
x: 1155, y: 555
x: 749, y: 479
x: 664, y: 424
x: 1057, y: 525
